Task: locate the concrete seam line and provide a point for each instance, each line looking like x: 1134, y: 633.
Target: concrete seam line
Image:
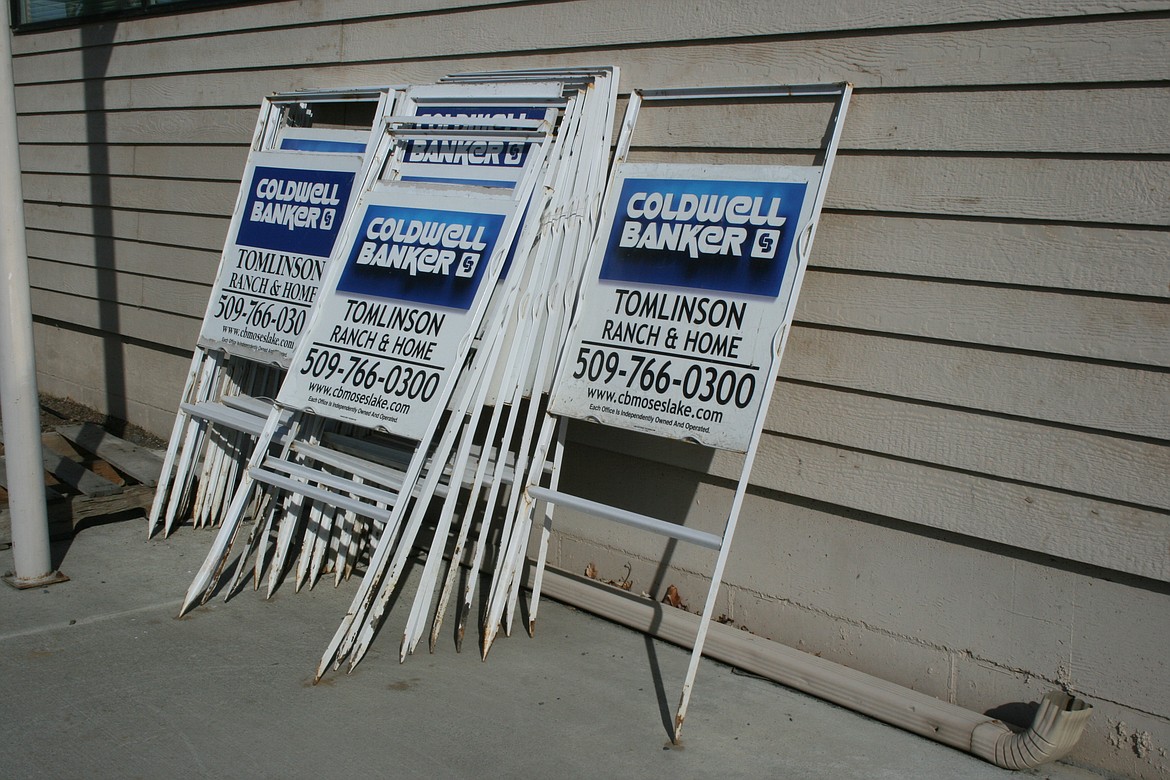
x: 1057, y: 726
x: 85, y: 621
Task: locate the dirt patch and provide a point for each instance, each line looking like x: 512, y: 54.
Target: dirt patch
x: 62, y: 411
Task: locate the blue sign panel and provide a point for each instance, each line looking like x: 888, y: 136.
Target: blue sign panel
x: 321, y: 145
x: 295, y: 210
x: 474, y: 153
x: 421, y: 255
x: 733, y: 236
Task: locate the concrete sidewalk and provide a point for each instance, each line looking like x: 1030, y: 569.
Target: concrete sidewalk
x: 100, y: 680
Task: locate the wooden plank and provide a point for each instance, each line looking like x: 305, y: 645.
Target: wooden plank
x: 68, y: 516
x: 1094, y: 51
x: 218, y: 163
x: 161, y: 159
x: 97, y: 223
x: 1112, y: 120
x: 1044, y: 189
x: 101, y: 224
x: 102, y: 284
x: 1100, y: 533
x: 1096, y: 396
x: 1117, y: 468
x: 971, y: 57
x: 126, y: 192
x: 51, y: 493
x: 1064, y: 190
x: 1088, y: 326
x: 124, y: 256
x: 1035, y: 255
x: 212, y: 125
x: 74, y: 474
x: 78, y: 158
x: 139, y: 462
x: 190, y: 230
x: 156, y: 327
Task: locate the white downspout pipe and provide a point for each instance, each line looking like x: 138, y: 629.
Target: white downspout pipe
x: 1055, y: 729
x: 18, y: 377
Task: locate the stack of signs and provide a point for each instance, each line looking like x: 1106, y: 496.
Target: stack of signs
x: 531, y: 341
x: 401, y: 303
x: 297, y: 187
x: 683, y: 316
x: 512, y: 358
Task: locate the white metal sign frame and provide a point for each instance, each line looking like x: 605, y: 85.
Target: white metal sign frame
x: 224, y: 369
x: 502, y: 362
x: 400, y: 245
x: 645, y: 233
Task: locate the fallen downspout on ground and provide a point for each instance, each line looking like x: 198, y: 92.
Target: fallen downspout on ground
x: 1057, y: 725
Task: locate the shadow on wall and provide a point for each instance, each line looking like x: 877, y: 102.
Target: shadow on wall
x: 96, y: 49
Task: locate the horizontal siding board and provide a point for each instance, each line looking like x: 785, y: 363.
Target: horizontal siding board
x: 1081, y: 529
x: 1015, y: 253
x: 149, y: 325
x: 213, y: 125
x: 1069, y: 120
x: 1113, y: 191
x: 1090, y: 326
x: 1090, y: 395
x: 209, y: 163
x: 1067, y: 526
x: 1059, y: 53
x: 1090, y: 121
x: 1066, y: 190
x: 101, y: 222
x: 107, y: 285
x: 1107, y: 467
x: 217, y: 163
x: 123, y: 255
x: 184, y: 230
x: 932, y: 65
x: 172, y: 229
x: 77, y: 158
x: 123, y: 192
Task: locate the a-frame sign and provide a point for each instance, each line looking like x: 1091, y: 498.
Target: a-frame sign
x: 681, y: 322
x: 308, y: 148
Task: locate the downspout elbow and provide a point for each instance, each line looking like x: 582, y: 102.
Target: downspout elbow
x: 1057, y: 726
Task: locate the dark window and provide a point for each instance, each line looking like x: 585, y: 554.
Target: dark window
x: 38, y: 14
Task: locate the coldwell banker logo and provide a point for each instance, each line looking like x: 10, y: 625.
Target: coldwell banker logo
x: 492, y: 154
x: 421, y: 255
x: 295, y: 210
x: 733, y: 236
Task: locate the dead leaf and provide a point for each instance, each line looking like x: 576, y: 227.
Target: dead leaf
x: 673, y: 598
x: 591, y: 571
